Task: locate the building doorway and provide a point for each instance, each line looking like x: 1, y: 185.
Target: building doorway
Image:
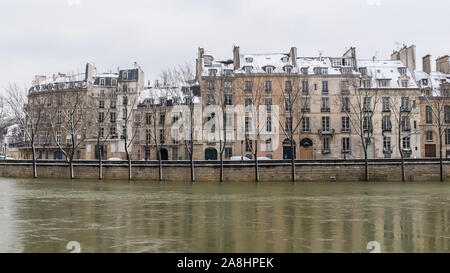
x: 306, y: 149
x: 287, y: 150
x: 430, y: 150
x: 164, y: 154
x: 210, y: 154
x: 58, y: 155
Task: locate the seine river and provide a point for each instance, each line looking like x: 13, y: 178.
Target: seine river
x: 44, y: 215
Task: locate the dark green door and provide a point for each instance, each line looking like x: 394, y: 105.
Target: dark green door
x: 211, y: 154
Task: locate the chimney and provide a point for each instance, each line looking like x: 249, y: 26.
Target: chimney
x: 443, y: 64
x: 236, y: 58
x: 199, y: 63
x: 426, y: 64
x: 293, y: 56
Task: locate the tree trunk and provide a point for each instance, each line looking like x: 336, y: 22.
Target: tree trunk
x: 192, y: 162
x: 256, y: 162
x: 100, y: 167
x: 441, y: 161
x: 293, y: 161
x: 130, y: 175
x: 33, y: 148
x: 72, y: 175
x: 160, y: 165
x: 403, y: 168
x: 221, y: 166
x: 366, y: 167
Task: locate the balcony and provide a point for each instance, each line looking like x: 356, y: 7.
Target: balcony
x: 346, y: 130
x: 326, y: 132
x: 325, y: 109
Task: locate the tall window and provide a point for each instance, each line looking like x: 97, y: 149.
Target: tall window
x: 59, y: 117
x: 288, y: 86
x: 346, y: 144
x: 306, y: 105
x: 102, y: 104
x: 326, y: 145
x: 386, y: 104
x: 248, y: 86
x: 162, y: 137
x: 268, y: 104
x: 101, y: 117
x: 228, y: 85
x: 268, y: 86
x: 447, y: 114
x: 287, y: 105
x: 386, y: 123
x: 447, y: 136
x: 162, y: 119
x: 387, y: 144
x: 305, y: 125
x: 429, y: 135
x: 248, y: 144
x: 228, y: 99
x: 248, y: 124
x: 248, y: 102
x: 124, y: 114
x: 429, y: 114
x: 367, y: 124
x: 406, y: 124
x: 269, y: 124
x: 345, y: 124
x: 406, y: 143
x: 288, y: 124
x: 326, y: 124
x: 405, y: 104
x: 58, y: 137
x: 345, y: 104
x: 367, y: 104
x: 269, y: 147
x: 148, y: 118
x: 305, y: 86
x: 148, y: 136
x: 325, y: 105
x: 325, y: 86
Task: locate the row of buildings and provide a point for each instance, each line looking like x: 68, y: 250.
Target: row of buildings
x: 326, y: 105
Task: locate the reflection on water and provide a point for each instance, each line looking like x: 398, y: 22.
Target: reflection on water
x: 44, y: 215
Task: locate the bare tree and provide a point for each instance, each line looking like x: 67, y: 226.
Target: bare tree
x: 69, y: 119
x: 128, y: 107
x: 28, y: 113
x: 435, y: 116
x: 402, y: 113
x: 359, y: 103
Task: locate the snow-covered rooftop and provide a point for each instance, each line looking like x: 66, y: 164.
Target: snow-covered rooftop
x: 432, y: 80
x: 388, y: 70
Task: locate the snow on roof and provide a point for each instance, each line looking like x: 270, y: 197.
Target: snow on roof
x: 310, y: 63
x: 432, y: 80
x: 260, y: 61
x: 106, y: 75
x: 155, y: 94
x: 12, y: 130
x: 387, y: 70
x: 62, y: 78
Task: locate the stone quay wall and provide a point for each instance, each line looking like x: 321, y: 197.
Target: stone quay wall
x: 383, y: 170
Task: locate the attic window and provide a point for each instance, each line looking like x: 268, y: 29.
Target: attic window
x: 402, y: 71
x: 249, y: 59
x: 102, y: 82
x: 305, y: 70
x: 284, y: 59
x: 268, y: 69
x: 363, y: 71
x: 228, y: 72
x: 320, y: 70
x: 288, y: 69
x: 425, y: 81
x: 114, y: 82
x: 248, y: 69
x: 213, y: 72
x: 125, y: 75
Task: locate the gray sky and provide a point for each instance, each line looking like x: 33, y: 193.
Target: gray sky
x: 48, y: 36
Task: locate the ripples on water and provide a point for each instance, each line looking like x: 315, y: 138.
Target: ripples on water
x: 44, y: 215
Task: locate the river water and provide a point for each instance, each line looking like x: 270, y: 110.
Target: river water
x: 44, y: 215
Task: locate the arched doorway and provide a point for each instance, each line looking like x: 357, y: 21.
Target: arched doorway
x: 164, y: 155
x: 306, y: 149
x: 210, y: 154
x: 287, y: 150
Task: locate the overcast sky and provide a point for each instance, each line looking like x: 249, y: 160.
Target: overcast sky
x: 49, y: 36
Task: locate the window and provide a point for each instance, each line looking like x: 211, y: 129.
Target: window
x: 326, y: 124
x: 59, y: 117
x: 325, y: 87
x: 405, y: 104
x: 102, y: 104
x: 326, y: 146
x: 429, y: 135
x: 288, y: 126
x: 112, y: 117
x: 102, y: 132
x: 383, y: 83
x: 113, y: 82
x: 113, y: 104
x: 305, y: 125
x: 248, y: 86
x: 162, y: 137
x: 306, y: 105
x: 304, y: 70
x: 148, y: 118
x: 228, y: 152
x: 58, y: 137
x: 288, y: 86
x: 447, y: 136
x: 269, y: 124
x: 363, y: 71
x: 210, y: 99
x: 325, y: 105
x: 228, y: 85
x: 345, y: 104
x: 101, y: 117
x: 268, y: 104
x: 125, y: 100
x: 429, y: 114
x: 344, y: 86
x: 212, y: 72
x: 288, y: 69
x: 268, y: 86
x: 447, y: 114
x: 102, y: 93
x: 228, y: 72
x: 386, y: 123
x: 386, y: 104
x: 305, y: 86
x: 211, y: 85
x: 228, y: 99
x: 248, y: 124
x: 248, y: 144
x: 367, y: 107
x: 287, y: 105
x: 269, y: 147
x: 406, y: 124
x: 162, y: 119
x: 248, y: 69
x: 248, y: 103
x: 406, y: 143
x: 387, y: 144
x: 366, y: 84
x: 269, y: 69
x: 404, y: 83
x: 402, y: 71
x: 102, y: 82
x: 345, y: 124
x: 124, y: 114
x: 345, y: 144
x: 125, y: 75
x: 112, y: 132
x: 148, y: 136
x: 367, y: 124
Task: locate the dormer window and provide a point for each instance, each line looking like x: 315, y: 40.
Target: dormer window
x: 288, y: 69
x: 285, y: 59
x: 363, y: 71
x: 213, y: 72
x: 102, y: 82
x: 248, y: 69
x: 113, y: 82
x: 404, y: 83
x: 305, y: 70
x: 125, y: 75
x: 425, y: 81
x: 383, y: 83
x: 402, y: 71
x: 249, y: 59
x: 228, y: 72
x: 268, y: 69
x: 320, y: 70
